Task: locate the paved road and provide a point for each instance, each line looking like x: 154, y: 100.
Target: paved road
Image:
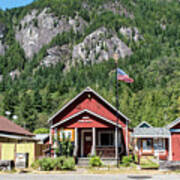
x: 87, y: 177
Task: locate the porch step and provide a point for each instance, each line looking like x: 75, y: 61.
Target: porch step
x: 83, y: 162
x: 106, y: 161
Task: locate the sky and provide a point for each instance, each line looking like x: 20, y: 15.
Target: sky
x: 4, y: 4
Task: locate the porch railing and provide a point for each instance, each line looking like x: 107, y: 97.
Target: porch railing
x: 105, y: 151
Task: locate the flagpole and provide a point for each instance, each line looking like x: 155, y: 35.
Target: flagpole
x: 117, y: 106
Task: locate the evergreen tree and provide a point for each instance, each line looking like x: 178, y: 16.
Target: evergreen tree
x: 37, y: 101
x: 27, y: 114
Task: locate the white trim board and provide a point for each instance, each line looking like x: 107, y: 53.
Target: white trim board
x: 89, y: 112
x: 88, y: 89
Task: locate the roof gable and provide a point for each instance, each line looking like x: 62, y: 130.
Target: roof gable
x: 88, y: 112
x: 88, y: 90
x: 144, y: 124
x: 8, y: 126
x: 174, y: 123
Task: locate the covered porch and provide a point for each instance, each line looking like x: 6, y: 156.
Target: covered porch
x: 106, y: 143
x: 152, y: 142
x: 92, y: 134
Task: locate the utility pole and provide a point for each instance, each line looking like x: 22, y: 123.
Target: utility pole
x: 117, y: 107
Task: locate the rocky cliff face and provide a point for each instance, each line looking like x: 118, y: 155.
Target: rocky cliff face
x: 2, y: 45
x: 36, y: 30
x: 96, y: 47
x: 99, y: 46
x: 131, y: 33
x: 55, y: 55
x: 117, y: 8
x: 2, y: 48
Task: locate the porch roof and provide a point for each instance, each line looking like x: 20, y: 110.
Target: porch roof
x: 85, y: 111
x: 151, y: 132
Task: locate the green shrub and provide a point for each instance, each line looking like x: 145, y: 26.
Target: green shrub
x: 127, y: 160
x: 69, y: 164
x: 59, y: 162
x: 95, y: 161
x: 35, y: 164
x: 48, y: 164
x: 41, y: 131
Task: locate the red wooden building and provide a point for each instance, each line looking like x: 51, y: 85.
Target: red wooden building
x: 174, y: 129
x: 91, y: 123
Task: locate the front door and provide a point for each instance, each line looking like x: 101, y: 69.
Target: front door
x: 175, y: 146
x: 87, y: 143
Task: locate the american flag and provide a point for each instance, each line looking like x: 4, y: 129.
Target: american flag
x: 122, y: 76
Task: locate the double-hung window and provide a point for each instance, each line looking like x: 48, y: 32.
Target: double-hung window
x: 106, y: 138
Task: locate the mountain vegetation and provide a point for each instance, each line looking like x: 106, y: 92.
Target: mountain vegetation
x: 149, y: 30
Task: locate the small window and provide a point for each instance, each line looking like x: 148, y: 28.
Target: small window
x: 159, y: 145
x: 147, y: 145
x: 106, y: 138
x: 67, y: 134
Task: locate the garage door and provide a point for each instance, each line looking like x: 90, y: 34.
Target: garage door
x: 175, y: 146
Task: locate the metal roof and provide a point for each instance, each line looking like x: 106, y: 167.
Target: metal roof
x: 41, y: 137
x: 7, y: 126
x: 151, y: 132
x: 16, y: 137
x: 175, y: 122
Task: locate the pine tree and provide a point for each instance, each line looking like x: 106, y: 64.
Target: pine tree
x: 37, y: 101
x: 27, y: 114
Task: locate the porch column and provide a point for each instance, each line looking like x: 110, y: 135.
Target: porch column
x: 116, y: 143
x: 76, y: 142
x: 170, y: 149
x: 93, y: 151
x: 50, y: 136
x: 55, y: 145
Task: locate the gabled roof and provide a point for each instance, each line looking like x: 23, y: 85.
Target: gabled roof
x: 151, y: 132
x: 144, y: 123
x: 88, y: 89
x: 175, y: 122
x: 7, y: 126
x: 17, y: 137
x: 85, y: 111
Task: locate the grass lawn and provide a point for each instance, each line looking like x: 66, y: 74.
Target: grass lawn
x: 148, y: 163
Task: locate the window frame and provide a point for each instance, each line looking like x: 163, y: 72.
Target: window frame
x: 105, y: 132
x: 66, y: 133
x: 147, y: 150
x: 157, y: 149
